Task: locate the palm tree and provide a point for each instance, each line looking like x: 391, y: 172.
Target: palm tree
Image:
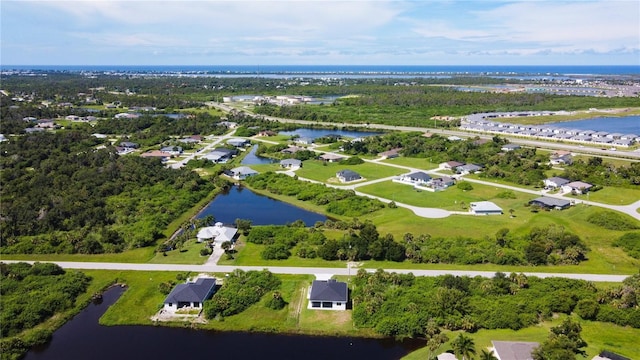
x: 463, y: 346
x: 487, y: 355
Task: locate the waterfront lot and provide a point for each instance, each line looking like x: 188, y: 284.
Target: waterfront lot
x: 326, y: 172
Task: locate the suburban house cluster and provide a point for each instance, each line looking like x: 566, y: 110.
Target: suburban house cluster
x: 482, y: 123
x: 567, y: 186
x: 423, y: 181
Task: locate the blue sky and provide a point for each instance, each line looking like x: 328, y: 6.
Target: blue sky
x: 357, y: 32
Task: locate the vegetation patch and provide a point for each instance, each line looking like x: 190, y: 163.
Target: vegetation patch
x: 630, y: 242
x: 31, y: 294
x: 612, y: 221
x: 240, y: 290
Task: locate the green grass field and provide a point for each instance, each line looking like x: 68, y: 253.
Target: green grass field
x: 326, y: 172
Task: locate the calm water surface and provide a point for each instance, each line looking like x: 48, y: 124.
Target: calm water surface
x: 252, y: 158
x: 84, y: 338
x: 624, y: 124
x: 242, y: 203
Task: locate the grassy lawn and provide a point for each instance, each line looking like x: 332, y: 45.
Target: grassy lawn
x: 140, y: 255
x: 611, y: 195
x: 599, y: 336
x: 189, y: 254
x: 418, y: 163
x: 317, y: 170
x: 143, y: 299
x: 450, y: 199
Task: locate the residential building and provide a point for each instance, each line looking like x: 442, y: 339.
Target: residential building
x: 393, y: 153
x: 484, y: 208
x: 348, y: 176
x: 555, y: 182
x: 451, y: 165
x: 217, y: 233
x: 190, y: 294
x: 576, y: 187
x: 239, y: 142
x: 242, y: 172
x: 510, y: 147
x: 550, y: 203
x: 328, y: 295
x: 330, y: 157
x: 415, y: 178
x: 514, y: 350
x: 291, y: 164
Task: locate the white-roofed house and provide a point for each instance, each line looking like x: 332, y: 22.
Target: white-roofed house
x: 217, y: 233
x: 291, y: 164
x: 242, y: 172
x: 484, y: 208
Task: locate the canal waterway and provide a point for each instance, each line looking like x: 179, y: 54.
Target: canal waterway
x: 84, y: 338
x: 623, y: 125
x: 252, y: 159
x: 241, y: 203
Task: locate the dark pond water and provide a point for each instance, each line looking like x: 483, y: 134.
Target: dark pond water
x: 316, y: 133
x: 252, y: 158
x: 242, y: 203
x: 624, y: 124
x: 84, y: 338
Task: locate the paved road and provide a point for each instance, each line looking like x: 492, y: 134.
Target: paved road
x: 308, y: 270
x: 201, y: 152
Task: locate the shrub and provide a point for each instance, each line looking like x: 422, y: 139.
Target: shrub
x: 206, y: 251
x: 587, y: 309
x: 612, y: 221
x: 464, y: 186
x: 630, y: 243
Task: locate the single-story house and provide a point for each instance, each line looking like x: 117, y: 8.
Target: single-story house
x: 220, y: 155
x: 442, y: 183
x: 217, y: 233
x: 393, y: 153
x: 514, y: 350
x: 328, y: 295
x: 291, y: 163
x: 164, y: 156
x: 561, y: 157
x: 550, y: 203
x: 238, y: 142
x: 329, y: 157
x: 484, y: 208
x: 292, y: 149
x: 129, y: 144
x: 242, y: 172
x: 555, y: 182
x: 123, y: 151
x: 190, y: 295
x: 267, y: 133
x: 451, y: 165
x: 577, y: 187
x: 416, y: 178
x: 228, y: 124
x: 173, y: 150
x: 468, y: 169
x: 510, y: 147
x: 347, y: 176
x: 304, y: 141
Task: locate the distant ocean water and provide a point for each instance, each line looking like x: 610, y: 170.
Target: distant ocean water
x: 361, y: 70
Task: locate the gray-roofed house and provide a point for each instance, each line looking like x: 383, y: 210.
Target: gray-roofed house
x: 577, y: 187
x: 416, y: 178
x: 468, y: 169
x: 242, y: 172
x: 173, y: 150
x: 190, y: 295
x: 291, y: 163
x: 329, y: 157
x: 347, y: 176
x: 551, y: 203
x: 390, y: 154
x: 484, y: 208
x: 561, y: 157
x: 238, y: 142
x: 129, y: 144
x: 555, y: 182
x: 514, y: 350
x: 328, y: 295
x: 451, y: 165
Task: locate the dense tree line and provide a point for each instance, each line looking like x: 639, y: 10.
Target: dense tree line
x: 31, y: 294
x: 241, y: 289
x: 62, y: 193
x: 403, y: 305
x: 598, y: 172
x: 336, y: 201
